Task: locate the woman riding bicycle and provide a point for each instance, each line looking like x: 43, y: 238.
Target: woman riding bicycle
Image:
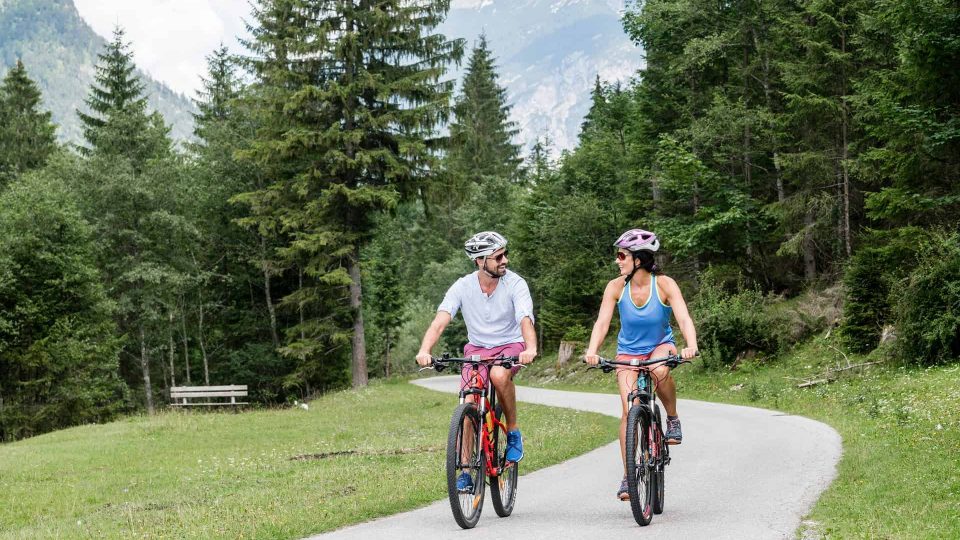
x: 644, y: 299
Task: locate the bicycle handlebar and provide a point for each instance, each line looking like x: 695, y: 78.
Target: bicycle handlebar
x: 670, y: 361
x: 439, y: 363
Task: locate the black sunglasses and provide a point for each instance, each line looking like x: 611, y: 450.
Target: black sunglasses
x: 499, y: 258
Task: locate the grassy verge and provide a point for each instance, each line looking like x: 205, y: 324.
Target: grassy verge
x: 363, y: 454
x: 900, y: 472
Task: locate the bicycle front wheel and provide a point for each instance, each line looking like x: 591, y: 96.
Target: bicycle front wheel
x: 639, y: 465
x: 503, y: 488
x: 465, y: 458
x: 660, y: 460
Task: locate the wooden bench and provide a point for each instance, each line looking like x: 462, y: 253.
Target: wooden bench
x: 180, y: 396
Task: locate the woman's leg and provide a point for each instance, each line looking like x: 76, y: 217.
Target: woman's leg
x: 627, y: 381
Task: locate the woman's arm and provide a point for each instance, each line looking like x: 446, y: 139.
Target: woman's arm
x: 602, y: 326
x: 676, y: 301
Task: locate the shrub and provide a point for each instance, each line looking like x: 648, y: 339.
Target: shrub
x: 868, y: 280
x: 928, y: 308
x: 732, y: 324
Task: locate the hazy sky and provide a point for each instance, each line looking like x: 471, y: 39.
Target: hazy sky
x: 171, y: 38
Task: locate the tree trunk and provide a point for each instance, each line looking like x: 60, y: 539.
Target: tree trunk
x: 844, y: 155
x: 183, y: 335
x: 267, y: 294
x: 172, y: 353
x: 303, y: 335
x: 145, y: 366
x: 809, y: 254
x: 386, y: 359
x: 359, y: 362
x: 203, y: 345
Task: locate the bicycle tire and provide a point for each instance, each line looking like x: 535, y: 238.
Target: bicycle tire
x: 639, y: 472
x: 661, y: 465
x: 503, y: 488
x: 466, y: 507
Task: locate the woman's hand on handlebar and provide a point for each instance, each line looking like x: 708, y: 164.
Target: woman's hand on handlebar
x: 591, y: 358
x: 689, y: 352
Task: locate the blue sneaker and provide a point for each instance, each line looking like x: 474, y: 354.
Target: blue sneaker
x: 514, y: 446
x: 464, y: 483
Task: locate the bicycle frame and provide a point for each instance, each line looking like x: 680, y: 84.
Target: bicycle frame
x: 486, y: 404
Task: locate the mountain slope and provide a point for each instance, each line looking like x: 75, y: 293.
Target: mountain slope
x: 549, y: 53
x: 60, y: 51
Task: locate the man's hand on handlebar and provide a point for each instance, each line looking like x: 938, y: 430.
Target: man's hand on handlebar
x: 689, y: 352
x: 424, y: 360
x: 527, y: 356
x: 591, y: 358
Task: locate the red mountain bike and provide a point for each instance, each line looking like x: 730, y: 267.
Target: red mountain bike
x: 647, y: 451
x: 477, y: 445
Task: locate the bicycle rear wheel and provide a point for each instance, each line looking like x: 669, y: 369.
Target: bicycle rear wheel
x: 503, y: 488
x: 465, y: 455
x: 639, y: 469
x: 660, y: 461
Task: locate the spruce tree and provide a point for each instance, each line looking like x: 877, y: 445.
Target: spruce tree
x: 481, y: 135
x: 27, y: 137
x: 219, y: 88
x: 361, y: 99
x: 118, y: 122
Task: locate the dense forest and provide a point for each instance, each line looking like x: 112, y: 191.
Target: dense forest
x: 302, y: 243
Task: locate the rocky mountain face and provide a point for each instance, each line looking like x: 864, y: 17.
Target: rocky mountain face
x: 60, y: 51
x: 549, y: 53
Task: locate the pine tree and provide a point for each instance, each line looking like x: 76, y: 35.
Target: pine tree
x: 27, y: 137
x: 481, y: 135
x: 358, y: 116
x: 118, y: 122
x: 219, y: 89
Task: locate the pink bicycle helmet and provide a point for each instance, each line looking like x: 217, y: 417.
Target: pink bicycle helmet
x: 638, y: 240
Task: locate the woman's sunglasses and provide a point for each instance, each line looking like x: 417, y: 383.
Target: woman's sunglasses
x: 621, y: 256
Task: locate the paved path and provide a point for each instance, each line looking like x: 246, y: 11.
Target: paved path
x: 741, y: 473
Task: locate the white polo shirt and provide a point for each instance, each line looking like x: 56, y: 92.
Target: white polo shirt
x: 492, y: 320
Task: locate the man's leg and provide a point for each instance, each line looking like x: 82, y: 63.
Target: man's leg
x: 507, y: 392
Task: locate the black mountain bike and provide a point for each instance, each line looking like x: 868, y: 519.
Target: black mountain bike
x: 477, y: 444
x: 647, y: 451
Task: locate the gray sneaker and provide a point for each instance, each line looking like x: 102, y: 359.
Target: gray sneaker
x: 673, y: 434
x: 624, y: 492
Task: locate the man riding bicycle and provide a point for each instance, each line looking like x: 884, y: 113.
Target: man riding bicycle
x: 498, y: 311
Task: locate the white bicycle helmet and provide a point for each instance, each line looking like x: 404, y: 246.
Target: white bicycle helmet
x: 638, y: 240
x: 483, y: 244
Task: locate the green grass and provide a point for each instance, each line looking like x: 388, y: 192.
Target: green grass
x: 899, y: 476
x: 224, y: 475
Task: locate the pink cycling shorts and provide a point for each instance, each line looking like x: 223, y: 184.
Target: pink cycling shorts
x: 510, y: 349
x: 662, y: 350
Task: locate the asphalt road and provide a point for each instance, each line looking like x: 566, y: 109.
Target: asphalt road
x: 740, y: 473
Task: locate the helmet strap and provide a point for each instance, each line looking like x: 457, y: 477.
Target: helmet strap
x: 484, y: 267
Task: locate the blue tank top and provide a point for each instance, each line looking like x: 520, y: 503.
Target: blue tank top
x: 643, y: 328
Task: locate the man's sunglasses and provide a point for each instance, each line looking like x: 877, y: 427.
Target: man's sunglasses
x: 499, y: 258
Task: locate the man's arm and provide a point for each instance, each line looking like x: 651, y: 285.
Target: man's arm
x: 431, y: 337
x: 529, y: 341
